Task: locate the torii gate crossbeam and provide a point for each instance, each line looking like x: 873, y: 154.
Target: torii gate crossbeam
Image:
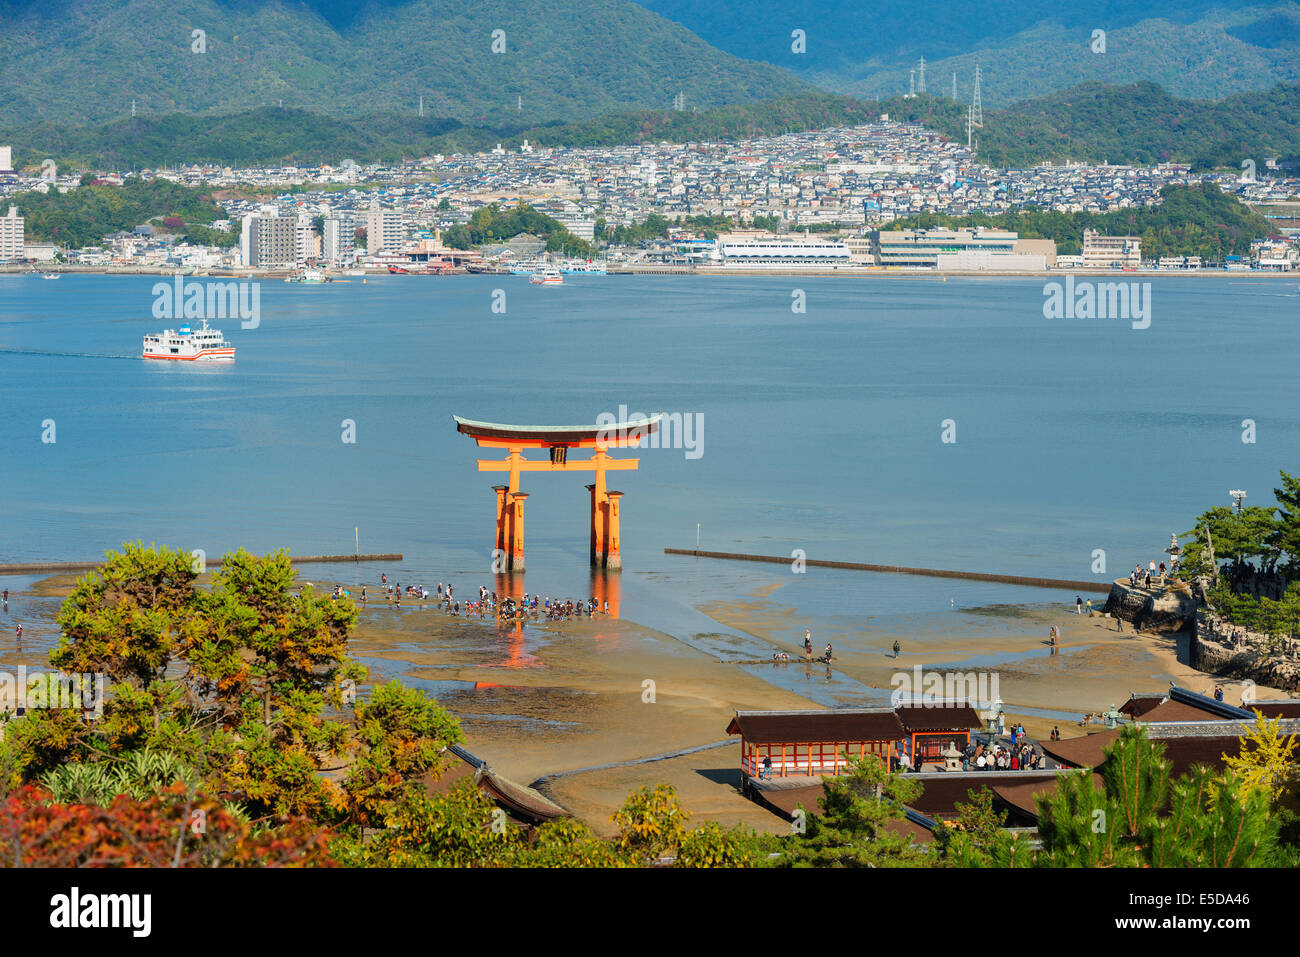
x: 558, y: 439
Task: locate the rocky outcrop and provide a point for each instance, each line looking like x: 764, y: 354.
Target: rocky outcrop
x: 1220, y: 648
x: 1161, y: 609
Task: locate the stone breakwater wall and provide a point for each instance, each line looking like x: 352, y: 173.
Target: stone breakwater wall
x: 54, y: 568
x: 1214, y: 650
x: 1162, y: 609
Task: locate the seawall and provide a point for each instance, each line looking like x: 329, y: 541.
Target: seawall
x: 1063, y: 583
x: 55, y: 568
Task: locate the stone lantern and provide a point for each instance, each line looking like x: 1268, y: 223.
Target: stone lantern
x: 951, y: 757
x: 1175, y: 553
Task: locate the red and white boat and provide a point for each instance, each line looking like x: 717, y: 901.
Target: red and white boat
x: 550, y: 276
x: 201, y: 345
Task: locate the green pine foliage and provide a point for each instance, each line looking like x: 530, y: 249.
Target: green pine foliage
x: 84, y: 216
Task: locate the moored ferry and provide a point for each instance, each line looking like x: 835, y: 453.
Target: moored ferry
x: 201, y: 345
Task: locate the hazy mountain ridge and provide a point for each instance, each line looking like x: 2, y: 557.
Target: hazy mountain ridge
x: 1200, y: 49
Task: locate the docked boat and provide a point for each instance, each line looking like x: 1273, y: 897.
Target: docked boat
x: 526, y: 267
x: 550, y: 276
x: 186, y: 345
x: 309, y: 275
x: 582, y: 267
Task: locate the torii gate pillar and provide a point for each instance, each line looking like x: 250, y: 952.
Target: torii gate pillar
x: 613, y: 557
x: 499, y: 555
x: 597, y: 528
x: 516, y: 506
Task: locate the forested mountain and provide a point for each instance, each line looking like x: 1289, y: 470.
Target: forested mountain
x: 78, y: 61
x: 1139, y: 124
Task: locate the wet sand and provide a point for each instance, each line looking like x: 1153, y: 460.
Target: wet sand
x: 566, y: 695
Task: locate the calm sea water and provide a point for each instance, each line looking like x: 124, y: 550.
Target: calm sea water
x: 821, y: 431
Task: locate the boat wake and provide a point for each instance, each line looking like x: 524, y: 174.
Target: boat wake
x: 64, y: 355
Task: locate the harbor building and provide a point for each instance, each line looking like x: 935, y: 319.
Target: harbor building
x: 921, y: 248
x: 1111, y: 252
x: 758, y: 248
x: 11, y: 235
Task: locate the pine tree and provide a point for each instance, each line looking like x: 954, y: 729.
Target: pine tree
x: 853, y: 829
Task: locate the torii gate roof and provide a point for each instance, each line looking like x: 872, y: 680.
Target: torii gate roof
x: 568, y: 436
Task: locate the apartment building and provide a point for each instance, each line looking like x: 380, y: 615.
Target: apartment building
x: 268, y: 242
x: 11, y: 235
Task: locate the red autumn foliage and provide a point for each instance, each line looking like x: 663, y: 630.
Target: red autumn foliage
x: 170, y: 829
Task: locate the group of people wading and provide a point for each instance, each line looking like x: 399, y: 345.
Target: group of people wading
x: 488, y: 603
x: 827, y: 657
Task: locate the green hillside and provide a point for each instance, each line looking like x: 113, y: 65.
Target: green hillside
x: 1140, y: 124
x: 273, y: 136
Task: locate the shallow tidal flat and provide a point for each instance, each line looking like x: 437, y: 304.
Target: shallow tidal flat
x: 1094, y: 667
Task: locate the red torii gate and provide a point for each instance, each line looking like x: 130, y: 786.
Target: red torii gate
x: 605, y: 549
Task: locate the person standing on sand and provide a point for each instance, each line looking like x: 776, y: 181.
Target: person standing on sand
x: 1119, y: 623
x: 1089, y: 607
x: 828, y: 652
x: 807, y: 645
x: 1078, y: 605
x: 897, y: 647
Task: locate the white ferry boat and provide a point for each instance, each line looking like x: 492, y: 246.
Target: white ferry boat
x: 550, y: 276
x: 582, y: 267
x: 202, y: 345
x: 526, y: 267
